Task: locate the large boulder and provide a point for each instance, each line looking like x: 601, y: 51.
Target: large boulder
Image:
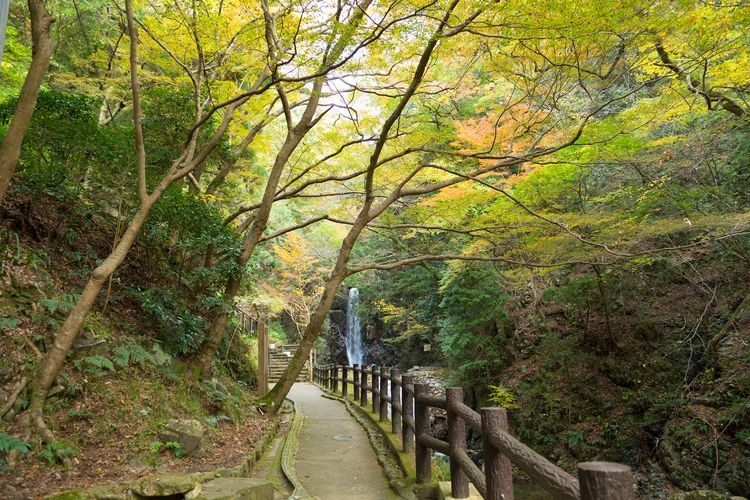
x: 188, y: 433
x: 233, y: 488
x: 164, y: 485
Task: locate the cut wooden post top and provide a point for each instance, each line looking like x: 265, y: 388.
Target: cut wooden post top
x: 603, y: 467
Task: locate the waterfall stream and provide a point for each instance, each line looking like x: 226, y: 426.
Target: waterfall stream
x: 353, y: 334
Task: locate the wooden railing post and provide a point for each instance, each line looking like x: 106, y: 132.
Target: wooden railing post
x: 423, y: 455
x: 456, y: 441
x: 497, y: 469
x: 335, y: 387
x: 375, y: 390
x: 407, y: 411
x: 264, y: 362
x: 344, y: 381
x: 383, y: 394
x: 395, y: 401
x: 605, y: 481
x: 329, y: 377
x: 363, y: 387
x: 356, y: 377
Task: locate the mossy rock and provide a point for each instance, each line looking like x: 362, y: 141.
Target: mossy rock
x: 120, y: 492
x: 189, y: 433
x: 233, y: 488
x: 702, y: 495
x: 71, y: 495
x: 164, y: 485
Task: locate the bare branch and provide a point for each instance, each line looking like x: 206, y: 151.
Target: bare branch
x: 711, y: 96
x: 140, y: 150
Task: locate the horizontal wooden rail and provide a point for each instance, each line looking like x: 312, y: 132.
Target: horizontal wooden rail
x: 475, y: 473
x: 433, y: 443
x: 409, y: 404
x: 432, y: 401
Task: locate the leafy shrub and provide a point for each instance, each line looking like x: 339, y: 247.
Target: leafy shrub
x: 221, y: 399
x: 213, y: 420
x: 79, y: 413
x: 502, y: 397
x: 173, y: 446
x: 474, y: 324
x: 179, y: 329
x: 65, y: 150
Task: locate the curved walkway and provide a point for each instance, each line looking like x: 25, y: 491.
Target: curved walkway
x: 335, y: 460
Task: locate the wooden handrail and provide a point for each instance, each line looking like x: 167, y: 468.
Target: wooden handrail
x: 432, y: 401
x: 470, y: 468
x: 433, y: 443
x: 409, y: 405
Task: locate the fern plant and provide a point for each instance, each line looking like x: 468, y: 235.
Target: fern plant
x: 57, y: 451
x: 132, y: 352
x: 94, y: 365
x: 9, y: 443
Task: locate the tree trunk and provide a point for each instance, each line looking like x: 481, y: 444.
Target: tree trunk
x: 340, y: 271
x: 41, y: 53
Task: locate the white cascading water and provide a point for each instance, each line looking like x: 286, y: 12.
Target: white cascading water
x: 353, y: 334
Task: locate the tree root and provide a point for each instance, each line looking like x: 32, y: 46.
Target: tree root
x: 13, y: 397
x: 31, y: 420
x: 33, y: 348
x: 37, y: 418
x: 12, y: 457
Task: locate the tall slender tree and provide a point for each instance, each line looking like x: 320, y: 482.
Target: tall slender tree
x: 41, y: 53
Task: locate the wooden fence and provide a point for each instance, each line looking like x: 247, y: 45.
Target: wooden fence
x: 248, y: 323
x: 409, y: 404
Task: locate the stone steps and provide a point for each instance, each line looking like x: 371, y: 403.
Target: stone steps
x: 278, y: 363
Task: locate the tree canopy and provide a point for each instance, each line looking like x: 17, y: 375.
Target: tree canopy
x: 478, y: 167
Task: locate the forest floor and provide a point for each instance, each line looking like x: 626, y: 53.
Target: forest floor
x: 227, y: 446
x: 118, y: 387
x: 111, y: 458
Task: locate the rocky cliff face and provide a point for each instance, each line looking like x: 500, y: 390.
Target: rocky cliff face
x: 374, y: 333
x: 708, y: 440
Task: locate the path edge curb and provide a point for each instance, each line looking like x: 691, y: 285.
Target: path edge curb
x: 289, y: 452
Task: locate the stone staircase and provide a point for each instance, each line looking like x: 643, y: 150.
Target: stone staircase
x: 279, y: 359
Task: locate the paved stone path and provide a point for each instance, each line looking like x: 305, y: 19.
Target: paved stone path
x: 335, y: 460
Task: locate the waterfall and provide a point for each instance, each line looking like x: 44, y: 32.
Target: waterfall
x: 353, y: 334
